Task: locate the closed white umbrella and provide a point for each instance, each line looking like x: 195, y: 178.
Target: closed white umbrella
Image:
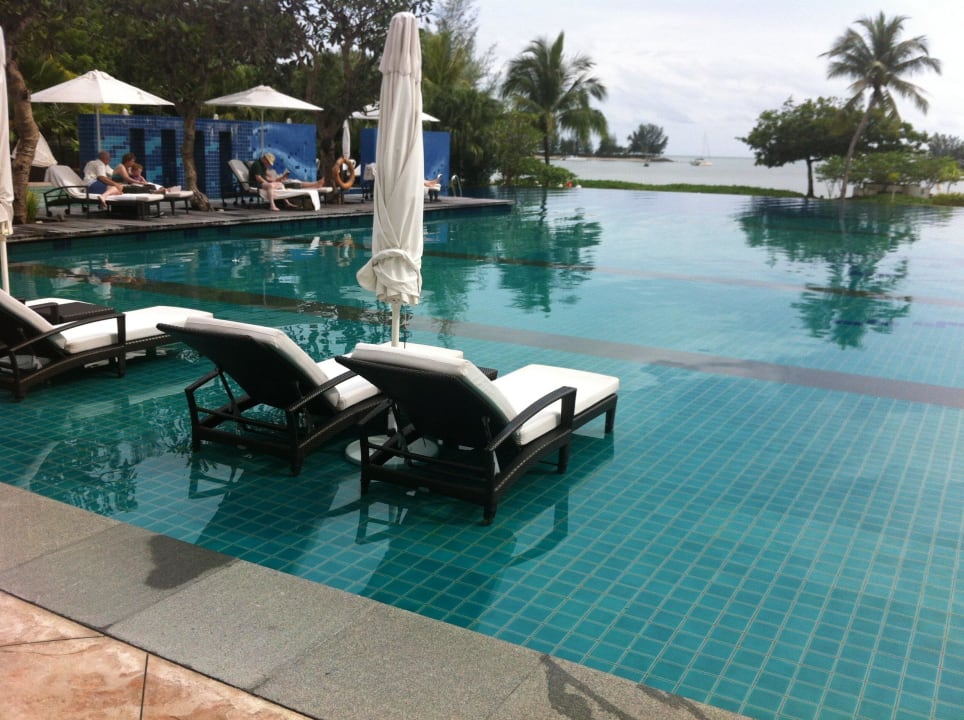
x: 6, y: 172
x: 345, y: 141
x: 97, y: 88
x: 394, y: 272
x: 264, y: 97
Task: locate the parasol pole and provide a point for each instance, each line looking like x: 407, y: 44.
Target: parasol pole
x: 396, y: 322
x: 4, y: 274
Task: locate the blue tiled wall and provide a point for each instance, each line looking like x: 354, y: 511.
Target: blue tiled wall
x: 156, y: 140
x: 437, y: 152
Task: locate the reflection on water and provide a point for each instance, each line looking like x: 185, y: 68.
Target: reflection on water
x: 720, y: 499
x: 857, y: 245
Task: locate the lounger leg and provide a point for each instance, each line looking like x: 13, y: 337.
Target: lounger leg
x: 563, y: 458
x: 610, y: 419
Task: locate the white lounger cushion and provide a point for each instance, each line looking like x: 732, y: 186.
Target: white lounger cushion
x: 24, y: 314
x: 288, y: 194
x: 342, y: 396
x: 132, y: 198
x: 524, y: 386
x: 139, y: 324
x: 511, y: 393
x: 65, y: 178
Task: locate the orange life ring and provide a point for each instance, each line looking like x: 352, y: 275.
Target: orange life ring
x: 344, y: 172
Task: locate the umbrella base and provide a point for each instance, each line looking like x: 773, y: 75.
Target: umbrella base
x: 420, y: 446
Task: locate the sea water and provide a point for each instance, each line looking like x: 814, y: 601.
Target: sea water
x: 677, y: 169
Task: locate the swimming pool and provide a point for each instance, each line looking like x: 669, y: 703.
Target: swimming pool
x: 774, y: 527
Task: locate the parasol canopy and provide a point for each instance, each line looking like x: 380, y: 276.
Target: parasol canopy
x: 394, y: 272
x: 97, y: 88
x: 6, y: 172
x: 263, y: 97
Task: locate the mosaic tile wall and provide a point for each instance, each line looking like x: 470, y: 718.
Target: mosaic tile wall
x: 437, y: 152
x: 156, y: 140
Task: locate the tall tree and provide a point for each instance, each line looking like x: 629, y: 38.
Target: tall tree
x: 556, y: 91
x: 203, y: 42
x: 878, y: 61
x: 340, y: 59
x: 811, y: 131
x: 29, y: 27
x: 647, y: 139
x: 947, y: 146
x: 456, y: 89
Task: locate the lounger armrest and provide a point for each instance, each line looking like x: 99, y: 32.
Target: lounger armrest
x: 62, y: 189
x: 121, y: 329
x: 202, y: 381
x: 380, y: 407
x: 320, y: 390
x: 566, y: 394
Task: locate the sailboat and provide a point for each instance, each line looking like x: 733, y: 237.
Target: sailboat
x: 704, y: 159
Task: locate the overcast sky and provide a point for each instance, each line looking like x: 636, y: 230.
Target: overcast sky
x: 708, y: 68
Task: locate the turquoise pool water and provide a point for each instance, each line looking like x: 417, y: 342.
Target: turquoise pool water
x: 774, y: 527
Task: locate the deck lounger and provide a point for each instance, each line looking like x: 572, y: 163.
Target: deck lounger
x: 68, y: 190
x: 243, y: 190
x: 174, y: 195
x: 318, y: 400
x: 433, y: 189
x: 489, y: 431
x: 142, y: 205
x: 32, y: 350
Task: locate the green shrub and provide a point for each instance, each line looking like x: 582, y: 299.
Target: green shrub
x: 33, y: 206
x: 953, y: 199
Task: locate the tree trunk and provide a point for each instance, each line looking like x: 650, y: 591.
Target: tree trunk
x: 27, y: 134
x: 810, y: 177
x: 852, y: 148
x: 200, y: 200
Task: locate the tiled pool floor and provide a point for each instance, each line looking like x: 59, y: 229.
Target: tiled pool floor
x: 773, y: 529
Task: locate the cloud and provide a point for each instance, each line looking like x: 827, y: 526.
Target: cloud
x: 712, y: 67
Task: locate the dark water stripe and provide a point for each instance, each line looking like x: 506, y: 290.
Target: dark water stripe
x: 714, y: 364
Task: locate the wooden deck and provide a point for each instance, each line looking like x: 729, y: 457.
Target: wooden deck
x: 79, y: 224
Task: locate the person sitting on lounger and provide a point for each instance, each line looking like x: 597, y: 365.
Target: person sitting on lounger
x: 131, y: 181
x: 259, y: 178
x: 97, y: 178
x: 263, y: 176
x: 136, y: 172
x: 122, y: 173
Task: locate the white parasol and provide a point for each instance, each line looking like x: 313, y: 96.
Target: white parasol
x: 345, y: 140
x: 43, y: 156
x: 265, y: 98
x: 97, y: 88
x: 394, y: 272
x: 6, y: 172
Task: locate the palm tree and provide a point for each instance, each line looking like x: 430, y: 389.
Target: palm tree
x: 555, y: 91
x: 877, y: 62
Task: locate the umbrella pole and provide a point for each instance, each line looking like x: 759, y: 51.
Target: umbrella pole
x: 97, y: 123
x: 4, y: 276
x: 396, y: 322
